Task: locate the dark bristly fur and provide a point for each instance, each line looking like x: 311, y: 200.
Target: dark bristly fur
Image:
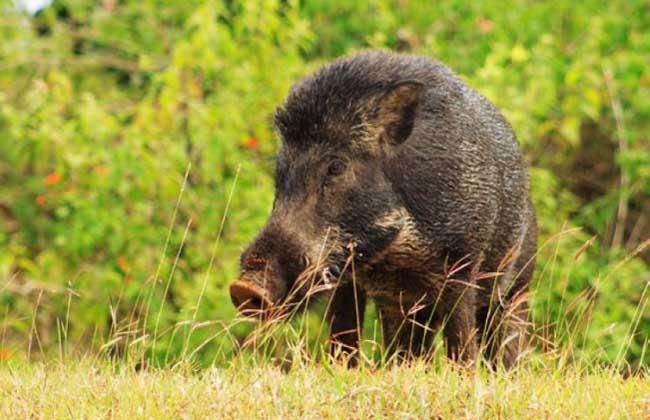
x: 392, y: 162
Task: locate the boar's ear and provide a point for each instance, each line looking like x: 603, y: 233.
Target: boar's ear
x: 396, y: 110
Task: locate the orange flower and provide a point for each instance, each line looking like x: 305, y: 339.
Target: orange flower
x: 122, y: 263
x: 101, y: 169
x: 4, y: 354
x: 128, y: 279
x: 40, y: 200
x: 52, y: 178
x: 484, y: 24
x: 109, y: 5
x: 251, y: 143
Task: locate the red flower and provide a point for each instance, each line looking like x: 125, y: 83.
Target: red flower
x: 123, y: 263
x: 40, y: 200
x: 251, y: 143
x: 52, y: 178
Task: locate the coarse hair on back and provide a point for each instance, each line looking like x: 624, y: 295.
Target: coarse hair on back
x: 327, y: 105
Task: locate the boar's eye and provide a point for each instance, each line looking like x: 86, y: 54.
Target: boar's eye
x: 336, y: 167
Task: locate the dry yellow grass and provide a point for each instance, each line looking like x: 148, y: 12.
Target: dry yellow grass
x: 84, y: 390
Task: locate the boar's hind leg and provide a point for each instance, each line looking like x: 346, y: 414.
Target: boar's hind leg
x: 506, y: 320
x: 346, y: 312
x: 509, y: 337
x: 459, y: 325
x: 507, y: 323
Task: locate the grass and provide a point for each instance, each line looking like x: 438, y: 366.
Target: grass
x: 246, y: 390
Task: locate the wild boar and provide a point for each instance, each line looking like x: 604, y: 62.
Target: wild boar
x: 398, y: 182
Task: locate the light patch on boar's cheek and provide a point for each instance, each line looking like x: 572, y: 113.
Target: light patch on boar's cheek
x: 319, y: 248
x: 407, y: 244
x: 323, y: 262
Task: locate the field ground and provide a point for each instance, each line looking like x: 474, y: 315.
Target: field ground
x: 84, y: 390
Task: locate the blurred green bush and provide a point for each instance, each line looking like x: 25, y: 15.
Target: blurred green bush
x: 105, y: 106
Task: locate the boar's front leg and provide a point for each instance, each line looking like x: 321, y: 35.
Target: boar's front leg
x: 346, y: 312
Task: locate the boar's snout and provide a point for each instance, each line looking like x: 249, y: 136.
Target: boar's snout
x: 269, y: 268
x: 249, y: 298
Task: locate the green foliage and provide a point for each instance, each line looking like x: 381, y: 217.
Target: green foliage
x: 104, y: 107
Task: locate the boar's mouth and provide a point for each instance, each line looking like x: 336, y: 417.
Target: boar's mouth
x: 250, y: 299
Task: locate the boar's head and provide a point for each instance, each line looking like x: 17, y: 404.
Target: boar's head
x: 340, y: 128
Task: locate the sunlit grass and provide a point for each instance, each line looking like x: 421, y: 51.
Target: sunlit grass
x: 247, y: 390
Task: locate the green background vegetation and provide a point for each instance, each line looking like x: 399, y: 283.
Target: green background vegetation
x: 104, y: 105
